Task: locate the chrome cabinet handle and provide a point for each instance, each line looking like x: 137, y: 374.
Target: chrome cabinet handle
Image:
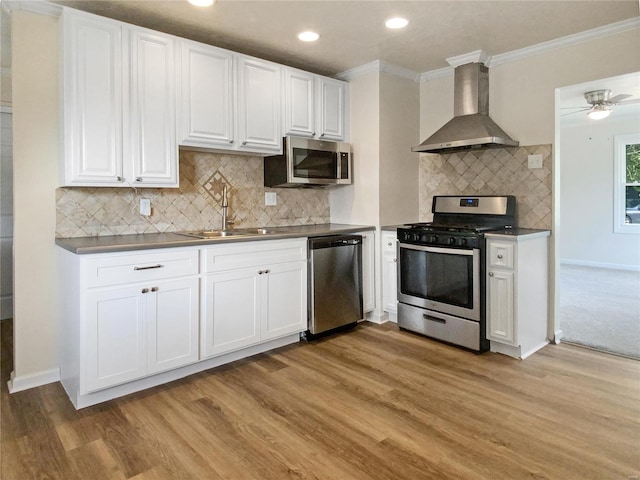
x: 119, y: 179
x: 138, y: 179
x: 499, y: 255
x: 154, y: 289
x: 491, y: 274
x: 145, y: 290
x: 395, y: 259
x: 148, y: 268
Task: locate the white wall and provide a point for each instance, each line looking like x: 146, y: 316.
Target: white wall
x: 359, y: 203
x: 586, y: 196
x: 35, y: 173
x: 399, y: 114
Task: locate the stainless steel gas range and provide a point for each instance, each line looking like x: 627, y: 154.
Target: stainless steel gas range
x: 441, y: 268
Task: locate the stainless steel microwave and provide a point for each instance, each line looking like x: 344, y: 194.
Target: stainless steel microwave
x: 306, y: 162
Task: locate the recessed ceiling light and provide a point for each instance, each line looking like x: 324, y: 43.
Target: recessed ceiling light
x: 201, y: 3
x: 308, y: 36
x: 396, y: 22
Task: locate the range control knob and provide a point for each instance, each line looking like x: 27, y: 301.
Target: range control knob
x: 462, y: 242
x: 451, y: 241
x: 432, y: 239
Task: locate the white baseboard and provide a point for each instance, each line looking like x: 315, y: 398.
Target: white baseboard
x: 377, y: 317
x: 25, y: 382
x: 557, y: 337
x: 610, y: 266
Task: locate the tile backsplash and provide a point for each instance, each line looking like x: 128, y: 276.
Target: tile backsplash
x: 499, y: 171
x: 196, y: 205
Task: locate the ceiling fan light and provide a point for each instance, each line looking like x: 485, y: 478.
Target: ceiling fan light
x: 598, y: 112
x: 202, y: 3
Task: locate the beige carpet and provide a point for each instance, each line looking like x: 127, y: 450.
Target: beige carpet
x: 600, y: 308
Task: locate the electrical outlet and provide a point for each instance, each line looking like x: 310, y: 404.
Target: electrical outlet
x: 534, y: 161
x: 270, y: 198
x: 145, y: 207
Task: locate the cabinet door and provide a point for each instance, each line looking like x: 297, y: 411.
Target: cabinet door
x: 332, y: 104
x: 368, y: 271
x: 172, y: 327
x: 284, y: 293
x: 92, y: 100
x: 299, y: 101
x: 500, y: 319
x: 232, y: 313
x: 259, y: 105
x: 389, y: 273
x: 152, y: 127
x: 207, y: 96
x: 114, y: 338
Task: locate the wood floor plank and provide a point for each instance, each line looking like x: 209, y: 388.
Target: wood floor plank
x: 373, y: 403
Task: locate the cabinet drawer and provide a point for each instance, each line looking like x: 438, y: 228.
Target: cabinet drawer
x: 140, y: 267
x: 240, y: 255
x: 389, y: 243
x: 501, y: 254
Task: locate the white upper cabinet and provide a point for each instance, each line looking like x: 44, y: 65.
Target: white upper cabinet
x: 92, y: 100
x: 332, y: 100
x: 152, y: 128
x: 229, y: 101
x: 118, y: 103
x: 314, y: 106
x: 207, y: 100
x: 259, y: 104
x: 299, y: 103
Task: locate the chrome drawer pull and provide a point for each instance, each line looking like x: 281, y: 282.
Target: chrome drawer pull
x: 148, y: 268
x: 499, y: 255
x: 433, y: 319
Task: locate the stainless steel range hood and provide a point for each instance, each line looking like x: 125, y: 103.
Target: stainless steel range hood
x: 471, y: 127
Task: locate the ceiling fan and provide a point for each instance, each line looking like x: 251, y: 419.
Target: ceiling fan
x: 601, y: 103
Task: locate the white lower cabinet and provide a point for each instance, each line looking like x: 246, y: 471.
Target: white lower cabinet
x: 368, y: 271
x: 127, y: 316
x: 138, y: 330
x: 389, y: 273
x: 517, y: 293
x: 253, y: 292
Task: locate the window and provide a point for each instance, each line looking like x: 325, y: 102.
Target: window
x: 627, y: 184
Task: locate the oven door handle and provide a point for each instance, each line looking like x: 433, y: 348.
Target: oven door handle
x: 450, y: 251
x: 431, y: 318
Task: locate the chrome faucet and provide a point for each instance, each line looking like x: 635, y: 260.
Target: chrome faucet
x: 225, y: 206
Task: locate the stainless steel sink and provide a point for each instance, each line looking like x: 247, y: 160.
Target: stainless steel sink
x: 204, y: 234
x: 212, y: 233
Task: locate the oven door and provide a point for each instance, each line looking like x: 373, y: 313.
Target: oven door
x: 441, y: 279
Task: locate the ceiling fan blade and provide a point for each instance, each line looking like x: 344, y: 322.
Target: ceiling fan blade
x: 577, y: 111
x: 583, y: 107
x: 629, y: 102
x: 619, y: 98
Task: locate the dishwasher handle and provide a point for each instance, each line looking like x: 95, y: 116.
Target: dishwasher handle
x: 316, y: 243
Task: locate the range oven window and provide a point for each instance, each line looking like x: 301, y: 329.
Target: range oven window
x: 440, y: 277
x: 314, y: 163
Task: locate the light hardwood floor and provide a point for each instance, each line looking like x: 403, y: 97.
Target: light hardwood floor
x: 373, y: 403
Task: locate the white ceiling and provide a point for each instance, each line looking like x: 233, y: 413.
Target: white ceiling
x: 352, y: 32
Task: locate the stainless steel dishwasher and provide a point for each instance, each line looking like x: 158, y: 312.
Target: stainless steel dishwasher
x: 335, y: 282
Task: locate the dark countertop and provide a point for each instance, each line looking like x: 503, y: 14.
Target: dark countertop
x: 519, y: 232
x: 145, y: 241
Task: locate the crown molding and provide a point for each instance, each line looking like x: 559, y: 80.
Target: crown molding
x: 576, y: 38
x: 36, y: 6
x: 378, y: 66
x: 435, y: 74
x: 478, y: 56
x: 540, y: 48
